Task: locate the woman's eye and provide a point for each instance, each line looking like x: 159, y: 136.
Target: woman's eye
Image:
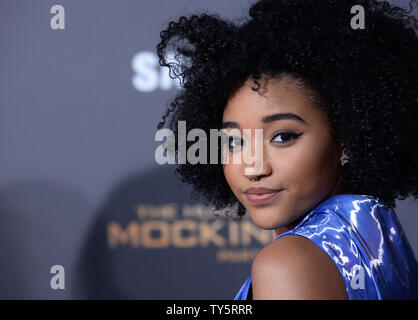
x: 235, y: 142
x: 285, y: 137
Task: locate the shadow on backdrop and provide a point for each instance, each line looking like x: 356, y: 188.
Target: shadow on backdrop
x: 168, y: 247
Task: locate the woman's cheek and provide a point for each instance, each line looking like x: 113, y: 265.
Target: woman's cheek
x: 229, y: 174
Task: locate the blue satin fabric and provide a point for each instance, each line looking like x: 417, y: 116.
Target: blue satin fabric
x: 363, y: 237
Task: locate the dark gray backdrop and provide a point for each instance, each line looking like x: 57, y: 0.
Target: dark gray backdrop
x: 78, y: 115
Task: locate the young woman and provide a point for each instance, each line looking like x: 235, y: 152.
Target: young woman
x: 337, y: 106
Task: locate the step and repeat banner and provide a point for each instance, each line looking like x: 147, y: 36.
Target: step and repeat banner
x: 86, y: 212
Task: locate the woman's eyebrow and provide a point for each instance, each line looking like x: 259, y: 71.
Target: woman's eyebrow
x: 230, y: 124
x: 281, y: 116
x: 266, y: 119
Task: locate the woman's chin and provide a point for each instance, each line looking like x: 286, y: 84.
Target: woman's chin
x: 267, y: 220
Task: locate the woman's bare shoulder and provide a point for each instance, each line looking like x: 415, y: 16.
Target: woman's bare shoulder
x: 293, y: 267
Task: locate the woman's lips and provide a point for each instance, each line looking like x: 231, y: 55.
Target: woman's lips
x: 261, y: 196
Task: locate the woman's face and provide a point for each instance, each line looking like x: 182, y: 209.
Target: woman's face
x: 300, y: 159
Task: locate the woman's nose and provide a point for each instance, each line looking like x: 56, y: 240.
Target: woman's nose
x: 257, y: 166
x: 257, y: 175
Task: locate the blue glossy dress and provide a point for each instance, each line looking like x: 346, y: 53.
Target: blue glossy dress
x: 367, y: 244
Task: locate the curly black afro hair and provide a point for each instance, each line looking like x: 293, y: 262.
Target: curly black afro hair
x: 365, y: 80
